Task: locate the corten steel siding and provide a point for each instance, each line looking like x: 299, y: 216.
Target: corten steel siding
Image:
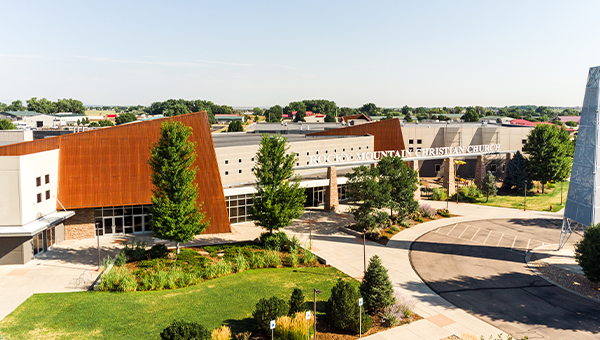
x: 108, y: 167
x: 387, y: 133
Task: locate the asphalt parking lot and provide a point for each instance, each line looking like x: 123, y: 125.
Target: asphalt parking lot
x: 480, y: 266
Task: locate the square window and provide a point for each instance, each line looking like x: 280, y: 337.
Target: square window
x: 226, y: 173
x: 239, y: 160
x: 411, y: 141
x: 367, y: 147
x: 297, y: 154
x: 226, y: 161
x: 493, y: 167
x: 47, y: 194
x: 326, y: 151
x: 344, y: 150
x: 418, y: 149
x: 38, y: 181
x: 239, y: 171
x: 39, y: 198
x: 307, y: 153
x: 334, y: 150
x: 352, y: 149
x: 306, y: 162
x: 419, y: 141
x: 317, y: 152
x: 252, y: 170
x: 411, y: 149
x: 359, y: 148
x: 252, y: 159
x: 438, y: 167
x: 297, y: 163
x: 47, y: 179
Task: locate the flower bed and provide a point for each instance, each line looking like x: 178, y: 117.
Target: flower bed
x: 139, y: 269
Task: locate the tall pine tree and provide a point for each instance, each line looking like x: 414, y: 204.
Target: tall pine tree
x: 279, y: 199
x: 517, y: 174
x: 488, y: 186
x: 175, y: 214
x: 376, y: 287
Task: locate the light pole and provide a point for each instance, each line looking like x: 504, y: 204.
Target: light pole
x: 98, y: 237
x: 315, y: 292
x: 365, y: 250
x: 525, y: 196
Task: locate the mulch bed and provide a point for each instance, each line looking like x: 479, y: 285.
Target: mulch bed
x: 326, y: 332
x: 568, y: 279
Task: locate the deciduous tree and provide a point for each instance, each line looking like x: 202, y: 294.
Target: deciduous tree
x: 125, y: 118
x: 402, y: 181
x: 549, y: 151
x: 279, y: 199
x: 176, y: 216
x: 6, y: 124
x: 235, y: 126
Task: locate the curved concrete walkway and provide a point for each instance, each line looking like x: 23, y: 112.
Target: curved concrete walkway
x: 345, y: 252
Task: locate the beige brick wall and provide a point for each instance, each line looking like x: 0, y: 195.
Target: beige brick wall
x: 81, y: 225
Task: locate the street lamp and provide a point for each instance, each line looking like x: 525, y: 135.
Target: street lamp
x: 365, y: 250
x: 315, y: 292
x: 525, y: 196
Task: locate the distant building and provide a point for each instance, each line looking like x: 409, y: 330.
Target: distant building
x: 355, y: 119
x: 15, y: 116
x: 565, y: 119
x: 227, y: 118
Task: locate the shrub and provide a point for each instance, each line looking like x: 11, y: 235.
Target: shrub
x: 272, y: 259
x: 239, y: 263
x: 427, y: 210
x: 138, y: 252
x: 256, y: 260
x: 587, y: 253
x: 243, y: 336
x: 376, y: 287
x: 402, y: 309
x: 418, y: 219
x: 438, y: 194
x: 395, y: 229
x: 292, y: 327
x: 294, y: 244
x: 308, y: 257
x: 218, y: 269
x: 274, y: 241
x: 296, y: 302
x: 157, y: 251
x: 118, y: 279
x: 121, y: 258
x: 221, y: 333
x: 405, y: 305
x: 267, y: 310
x: 181, y: 330
x: 404, y: 224
x: 443, y: 212
x: 342, y: 308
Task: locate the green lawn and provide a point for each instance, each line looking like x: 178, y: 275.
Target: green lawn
x: 142, y: 315
x: 535, y: 201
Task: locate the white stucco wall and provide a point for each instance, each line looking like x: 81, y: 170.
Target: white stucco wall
x: 18, y: 174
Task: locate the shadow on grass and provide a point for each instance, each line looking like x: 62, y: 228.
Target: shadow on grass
x: 238, y: 326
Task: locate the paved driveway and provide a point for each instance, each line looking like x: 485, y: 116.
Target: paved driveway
x: 480, y: 267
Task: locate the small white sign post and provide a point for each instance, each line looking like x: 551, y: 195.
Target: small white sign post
x: 360, y: 303
x: 272, y: 326
x: 307, y: 325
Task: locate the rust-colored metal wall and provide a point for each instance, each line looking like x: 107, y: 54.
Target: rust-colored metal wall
x: 108, y: 166
x: 387, y: 134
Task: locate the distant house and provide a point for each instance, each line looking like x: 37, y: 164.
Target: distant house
x: 523, y: 122
x: 565, y: 119
x: 355, y: 119
x: 68, y: 118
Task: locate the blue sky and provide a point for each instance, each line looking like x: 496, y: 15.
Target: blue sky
x: 262, y: 53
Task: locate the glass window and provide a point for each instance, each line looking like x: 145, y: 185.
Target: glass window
x: 147, y: 209
x: 226, y: 173
x: 127, y: 211
x: 118, y: 211
x: 334, y: 150
x: 233, y: 201
x: 34, y: 245
x: 411, y: 141
x: 47, y: 179
x: 138, y: 210
x: 367, y: 147
x: 226, y: 161
x: 137, y: 224
x: 493, y: 167
x: 419, y: 141
x: 411, y: 149
x: 359, y: 148
x: 253, y: 159
x: 98, y: 212
x: 239, y: 171
x: 233, y: 212
x: 317, y: 152
x: 344, y: 150
x: 438, y: 167
x: 47, y: 194
x: 297, y: 163
x: 307, y: 153
x: 108, y: 211
x: 239, y: 160
x: 38, y: 181
x: 99, y: 229
x: 39, y: 198
x: 128, y: 221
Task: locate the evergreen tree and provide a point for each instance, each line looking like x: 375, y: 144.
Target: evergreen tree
x: 176, y: 215
x: 517, y: 174
x: 549, y: 151
x: 296, y: 302
x: 342, y: 308
x: 402, y: 182
x: 376, y: 287
x: 488, y: 186
x: 279, y: 199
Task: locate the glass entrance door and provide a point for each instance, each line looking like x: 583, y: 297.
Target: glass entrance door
x: 108, y: 225
x: 118, y: 225
x: 138, y: 224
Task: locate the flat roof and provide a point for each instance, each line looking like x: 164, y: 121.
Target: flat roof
x: 294, y: 127
x: 224, y: 140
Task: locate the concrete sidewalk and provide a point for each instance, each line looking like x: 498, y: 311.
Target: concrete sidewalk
x: 345, y: 252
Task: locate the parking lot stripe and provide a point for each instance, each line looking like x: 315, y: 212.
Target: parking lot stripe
x: 452, y: 229
x: 461, y: 234
x: 475, y: 234
x: 526, y: 249
x: 500, y: 240
x: 513, y: 245
x: 487, y: 237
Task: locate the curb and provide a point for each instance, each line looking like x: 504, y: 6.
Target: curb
x: 350, y: 231
x: 538, y: 273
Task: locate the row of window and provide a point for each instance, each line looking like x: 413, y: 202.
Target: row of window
x: 43, y: 240
x: 38, y: 180
x: 239, y: 171
x: 412, y: 141
x: 493, y: 167
x: 308, y: 153
x: 39, y: 196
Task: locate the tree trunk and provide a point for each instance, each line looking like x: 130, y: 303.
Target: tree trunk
x: 487, y: 198
x: 177, y: 248
x: 543, y: 187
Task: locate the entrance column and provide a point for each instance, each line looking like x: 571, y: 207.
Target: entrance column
x: 331, y: 193
x: 415, y: 166
x: 449, y: 181
x: 508, y: 159
x: 479, y: 171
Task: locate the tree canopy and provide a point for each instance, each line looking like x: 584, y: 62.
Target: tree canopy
x: 517, y: 173
x: 274, y: 114
x: 235, y: 126
x: 369, y: 109
x: 279, y: 199
x: 471, y: 116
x: 6, y: 124
x: 176, y: 216
x: 402, y: 182
x: 549, y: 150
x: 125, y: 118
